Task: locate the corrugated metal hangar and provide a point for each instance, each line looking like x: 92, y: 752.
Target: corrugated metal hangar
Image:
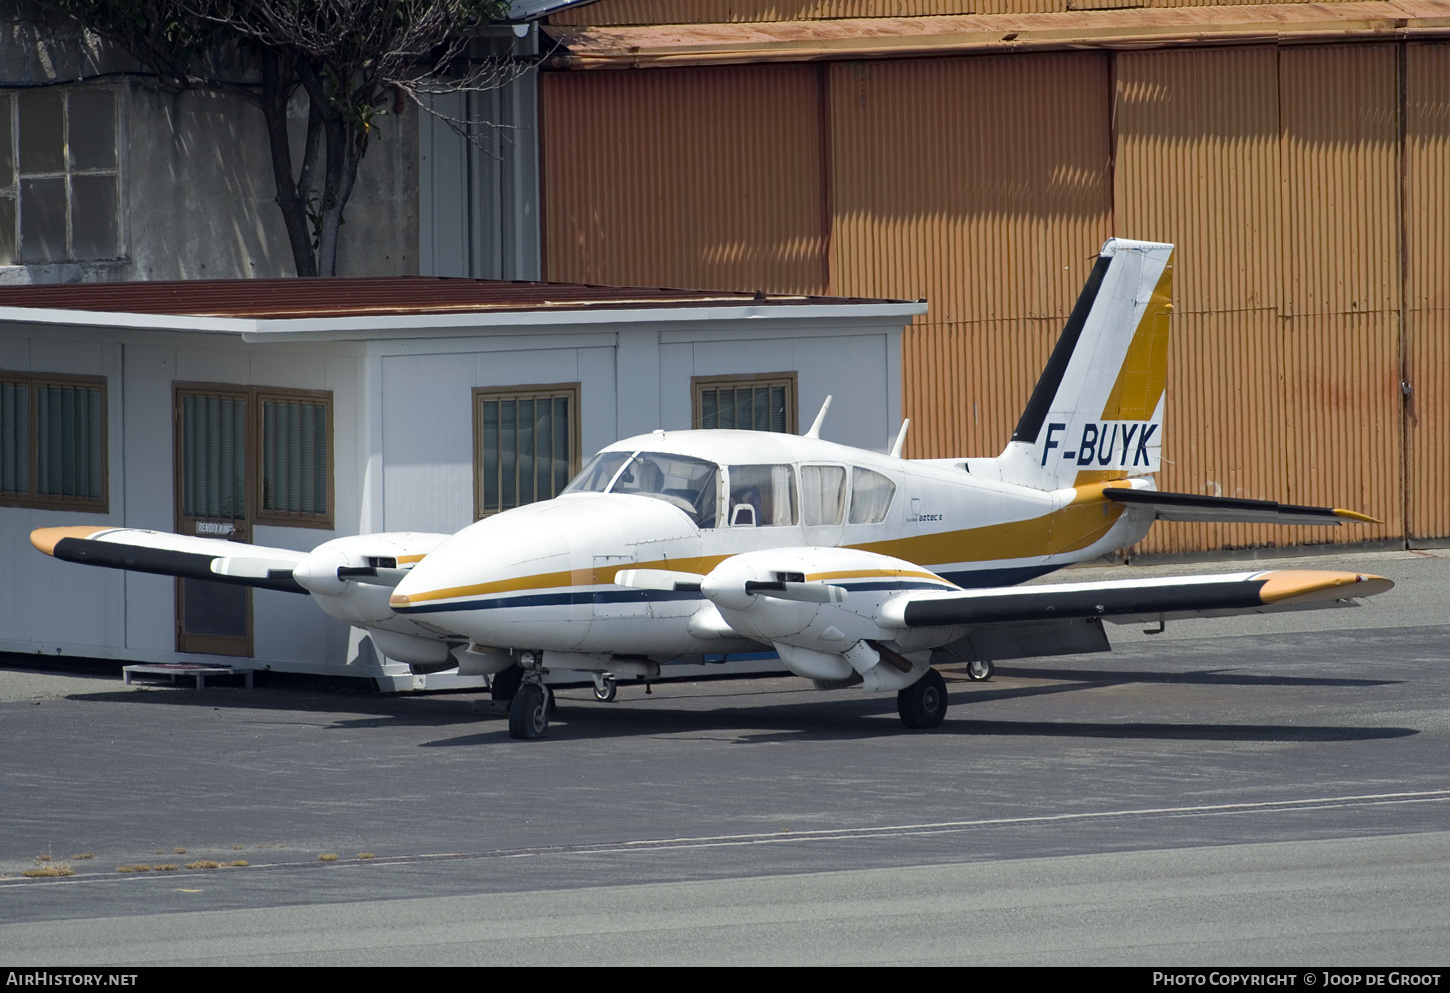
x: 977, y: 154
x: 289, y: 412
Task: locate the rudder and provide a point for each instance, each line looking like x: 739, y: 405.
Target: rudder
x: 1097, y: 410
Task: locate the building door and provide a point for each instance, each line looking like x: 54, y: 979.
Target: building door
x: 213, y: 490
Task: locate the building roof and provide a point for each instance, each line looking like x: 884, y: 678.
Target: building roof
x: 887, y: 37
x: 357, y: 296
x: 367, y: 307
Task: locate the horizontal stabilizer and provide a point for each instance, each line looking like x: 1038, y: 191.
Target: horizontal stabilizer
x: 1229, y: 510
x: 166, y: 554
x: 1140, y: 599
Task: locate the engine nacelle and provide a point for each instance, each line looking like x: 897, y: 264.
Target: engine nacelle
x: 351, y: 578
x: 781, y: 596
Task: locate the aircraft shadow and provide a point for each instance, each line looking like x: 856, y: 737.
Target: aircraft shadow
x: 807, y: 714
x: 1207, y: 677
x: 872, y: 718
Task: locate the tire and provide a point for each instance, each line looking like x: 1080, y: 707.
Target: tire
x: 980, y: 670
x: 503, y: 685
x: 529, y: 712
x: 607, y: 695
x: 923, y: 704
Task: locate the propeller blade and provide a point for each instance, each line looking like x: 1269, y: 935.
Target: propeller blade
x: 659, y: 579
x: 373, y: 575
x: 807, y: 592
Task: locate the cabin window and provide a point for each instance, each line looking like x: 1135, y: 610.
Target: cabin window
x: 823, y: 493
x: 871, y: 495
x: 746, y: 403
x: 53, y: 442
x: 683, y: 482
x: 60, y: 194
x: 525, y: 445
x: 762, y: 496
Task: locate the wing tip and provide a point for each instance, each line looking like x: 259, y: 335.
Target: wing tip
x: 45, y: 539
x: 1290, y: 585
x: 1356, y: 516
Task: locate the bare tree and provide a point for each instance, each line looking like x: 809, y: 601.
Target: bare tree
x: 348, y: 60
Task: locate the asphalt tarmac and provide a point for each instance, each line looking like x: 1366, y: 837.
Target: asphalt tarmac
x: 1262, y: 790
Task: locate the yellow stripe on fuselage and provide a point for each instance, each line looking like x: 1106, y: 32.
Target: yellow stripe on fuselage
x: 1085, y: 520
x: 558, y: 580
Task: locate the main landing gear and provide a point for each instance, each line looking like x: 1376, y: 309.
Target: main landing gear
x: 529, y: 711
x: 923, y: 704
x: 532, y: 701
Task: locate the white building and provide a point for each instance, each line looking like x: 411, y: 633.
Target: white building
x: 288, y: 412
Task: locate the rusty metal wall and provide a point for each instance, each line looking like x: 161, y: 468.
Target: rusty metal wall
x: 1338, y: 107
x: 697, y: 178
x: 1427, y: 278
x: 619, y: 12
x: 612, y: 13
x: 1198, y: 164
x: 1275, y: 171
x: 1305, y: 290
x: 984, y: 186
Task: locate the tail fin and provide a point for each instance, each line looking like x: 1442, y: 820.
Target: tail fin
x: 1097, y: 411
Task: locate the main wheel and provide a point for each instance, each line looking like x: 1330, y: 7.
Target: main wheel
x: 979, y: 670
x: 503, y: 685
x: 923, y: 704
x: 605, y: 690
x: 529, y: 712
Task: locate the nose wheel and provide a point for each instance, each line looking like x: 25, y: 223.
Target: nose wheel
x: 604, y: 687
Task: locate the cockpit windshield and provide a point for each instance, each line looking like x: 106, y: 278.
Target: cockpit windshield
x: 687, y: 483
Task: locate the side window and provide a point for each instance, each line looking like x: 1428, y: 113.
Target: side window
x: 823, y: 493
x: 525, y: 445
x: 871, y: 495
x: 762, y: 496
x: 53, y: 442
x: 248, y: 455
x: 296, y: 458
x: 60, y: 193
x: 745, y: 403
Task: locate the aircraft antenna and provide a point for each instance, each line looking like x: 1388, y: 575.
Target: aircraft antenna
x: 900, y: 438
x: 815, y: 431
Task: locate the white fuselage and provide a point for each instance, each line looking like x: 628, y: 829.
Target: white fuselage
x: 541, y: 577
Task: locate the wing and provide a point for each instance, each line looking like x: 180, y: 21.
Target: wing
x: 328, y: 570
x: 1229, y: 510
x: 166, y: 554
x: 1134, y: 600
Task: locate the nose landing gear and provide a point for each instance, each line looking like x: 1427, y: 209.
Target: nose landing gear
x: 604, y: 687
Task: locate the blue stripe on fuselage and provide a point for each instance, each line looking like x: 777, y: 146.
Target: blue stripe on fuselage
x: 615, y: 596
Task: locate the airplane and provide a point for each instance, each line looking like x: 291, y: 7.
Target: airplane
x: 856, y: 568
